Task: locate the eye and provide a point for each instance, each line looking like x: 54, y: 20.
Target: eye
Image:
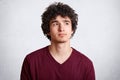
x: 55, y: 24
x: 67, y: 23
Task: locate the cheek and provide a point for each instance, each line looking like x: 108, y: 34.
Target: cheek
x: 71, y: 31
x: 52, y: 32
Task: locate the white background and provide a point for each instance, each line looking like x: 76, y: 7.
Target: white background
x: 97, y: 36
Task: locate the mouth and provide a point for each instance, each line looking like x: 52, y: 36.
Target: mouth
x: 61, y: 35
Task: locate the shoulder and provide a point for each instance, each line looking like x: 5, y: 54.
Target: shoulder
x: 37, y: 54
x: 85, y: 65
x: 82, y: 58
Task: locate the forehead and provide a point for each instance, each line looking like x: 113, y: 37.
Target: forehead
x: 59, y: 17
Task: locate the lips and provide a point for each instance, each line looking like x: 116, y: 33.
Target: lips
x: 61, y: 34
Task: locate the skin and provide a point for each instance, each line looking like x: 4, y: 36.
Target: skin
x: 60, y: 32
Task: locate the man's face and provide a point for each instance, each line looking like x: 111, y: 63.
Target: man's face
x: 60, y: 29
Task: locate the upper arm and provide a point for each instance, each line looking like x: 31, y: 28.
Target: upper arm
x: 25, y: 71
x: 90, y: 72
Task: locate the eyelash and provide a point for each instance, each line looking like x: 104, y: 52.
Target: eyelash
x: 67, y: 23
x: 55, y: 23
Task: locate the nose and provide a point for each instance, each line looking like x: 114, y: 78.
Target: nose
x: 61, y: 27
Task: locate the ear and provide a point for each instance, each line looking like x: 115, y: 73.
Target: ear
x: 72, y: 31
x: 48, y: 34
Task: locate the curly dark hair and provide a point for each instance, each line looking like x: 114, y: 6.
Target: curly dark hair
x: 53, y: 11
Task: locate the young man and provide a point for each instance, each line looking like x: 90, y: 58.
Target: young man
x: 58, y: 61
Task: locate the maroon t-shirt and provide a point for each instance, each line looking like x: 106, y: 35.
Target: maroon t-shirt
x: 40, y: 65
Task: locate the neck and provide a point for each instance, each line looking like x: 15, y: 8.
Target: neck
x: 60, y: 48
x: 60, y: 52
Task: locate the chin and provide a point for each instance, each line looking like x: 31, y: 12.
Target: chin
x: 61, y: 41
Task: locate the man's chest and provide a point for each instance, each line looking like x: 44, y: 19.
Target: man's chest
x: 48, y: 71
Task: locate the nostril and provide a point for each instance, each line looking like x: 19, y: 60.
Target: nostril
x: 61, y: 29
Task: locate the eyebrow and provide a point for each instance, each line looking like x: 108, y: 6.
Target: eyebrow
x: 54, y: 20
x: 66, y: 20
